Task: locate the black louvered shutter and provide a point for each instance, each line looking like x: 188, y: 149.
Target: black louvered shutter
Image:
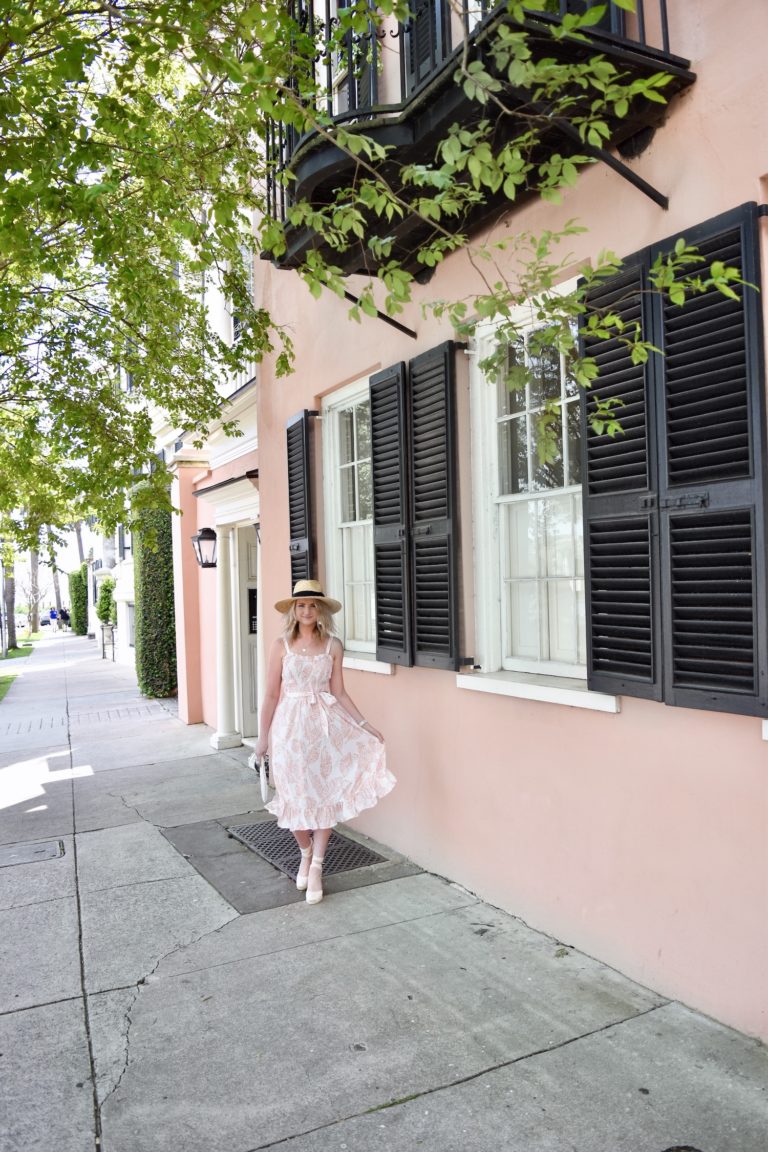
x: 620, y: 517
x: 711, y: 490
x: 427, y: 41
x: 674, y: 508
x: 390, y: 515
x: 431, y: 397
x: 300, y: 497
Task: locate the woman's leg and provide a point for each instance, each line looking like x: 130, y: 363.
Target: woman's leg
x: 315, y: 881
x: 304, y: 840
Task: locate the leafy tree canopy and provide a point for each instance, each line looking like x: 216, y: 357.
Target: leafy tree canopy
x: 133, y: 171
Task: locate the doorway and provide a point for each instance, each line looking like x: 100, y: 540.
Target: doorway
x: 248, y: 567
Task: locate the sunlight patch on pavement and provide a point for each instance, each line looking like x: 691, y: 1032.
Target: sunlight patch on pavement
x: 27, y: 779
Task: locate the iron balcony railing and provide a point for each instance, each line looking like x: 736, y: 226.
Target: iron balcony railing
x: 350, y: 76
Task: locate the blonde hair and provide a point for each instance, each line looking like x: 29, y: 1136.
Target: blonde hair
x: 325, y: 622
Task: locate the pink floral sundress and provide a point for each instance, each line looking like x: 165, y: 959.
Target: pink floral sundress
x: 324, y: 766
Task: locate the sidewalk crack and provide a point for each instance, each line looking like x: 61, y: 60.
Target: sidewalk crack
x: 461, y: 1080
x: 128, y: 1013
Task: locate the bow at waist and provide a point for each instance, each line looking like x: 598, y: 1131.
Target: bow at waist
x: 313, y: 697
x: 326, y: 698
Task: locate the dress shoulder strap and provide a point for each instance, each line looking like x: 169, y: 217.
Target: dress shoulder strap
x: 285, y: 642
x: 328, y: 646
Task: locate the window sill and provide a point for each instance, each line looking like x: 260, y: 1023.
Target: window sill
x: 360, y: 662
x: 546, y: 689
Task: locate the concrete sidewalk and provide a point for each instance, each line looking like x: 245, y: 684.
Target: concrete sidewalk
x: 165, y: 988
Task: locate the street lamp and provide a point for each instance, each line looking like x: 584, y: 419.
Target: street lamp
x: 204, y: 544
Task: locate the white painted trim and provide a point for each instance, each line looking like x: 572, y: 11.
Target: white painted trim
x: 354, y: 393
x: 486, y: 525
x: 361, y: 664
x: 546, y: 689
x: 237, y: 503
x: 237, y: 447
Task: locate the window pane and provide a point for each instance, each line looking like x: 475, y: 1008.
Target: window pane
x: 524, y: 624
x: 346, y: 436
x: 547, y: 473
x: 543, y: 373
x: 363, y: 413
x: 578, y: 534
x: 558, y: 536
x: 510, y: 388
x: 347, y: 484
x: 513, y: 456
x: 522, y: 539
x: 365, y: 491
x: 563, y: 621
x: 573, y: 422
x: 571, y: 387
x: 542, y: 570
x: 358, y: 584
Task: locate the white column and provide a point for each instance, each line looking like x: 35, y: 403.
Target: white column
x: 226, y: 735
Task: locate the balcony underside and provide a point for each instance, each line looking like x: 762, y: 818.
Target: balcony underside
x: 414, y: 130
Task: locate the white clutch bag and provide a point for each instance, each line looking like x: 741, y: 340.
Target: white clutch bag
x: 261, y: 765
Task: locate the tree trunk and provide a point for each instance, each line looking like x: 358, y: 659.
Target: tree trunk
x: 78, y: 527
x: 56, y: 591
x: 108, y: 551
x: 9, y: 597
x: 34, y: 590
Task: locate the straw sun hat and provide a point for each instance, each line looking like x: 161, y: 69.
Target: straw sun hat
x: 308, y: 590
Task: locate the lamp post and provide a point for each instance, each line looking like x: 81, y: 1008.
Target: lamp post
x: 204, y: 544
x: 3, y: 614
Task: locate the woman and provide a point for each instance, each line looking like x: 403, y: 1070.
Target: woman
x: 327, y: 762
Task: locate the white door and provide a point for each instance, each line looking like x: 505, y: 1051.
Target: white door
x: 248, y: 568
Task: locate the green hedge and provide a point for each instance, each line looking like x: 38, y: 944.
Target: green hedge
x: 78, y: 600
x: 106, y: 609
x: 154, y: 610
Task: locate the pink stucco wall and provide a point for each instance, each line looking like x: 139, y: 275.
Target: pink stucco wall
x: 186, y: 598
x: 640, y: 837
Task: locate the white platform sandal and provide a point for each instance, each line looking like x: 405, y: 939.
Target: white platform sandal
x: 302, y: 876
x: 316, y: 894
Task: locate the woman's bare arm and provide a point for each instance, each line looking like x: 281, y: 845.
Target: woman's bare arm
x: 341, y: 694
x: 271, y: 694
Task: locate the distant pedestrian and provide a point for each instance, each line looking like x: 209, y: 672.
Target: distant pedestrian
x: 54, y: 620
x: 327, y: 762
x: 64, y: 617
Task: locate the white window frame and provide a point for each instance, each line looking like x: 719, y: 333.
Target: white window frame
x: 489, y: 677
x: 332, y: 405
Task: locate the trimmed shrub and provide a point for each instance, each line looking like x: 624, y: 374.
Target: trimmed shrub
x: 155, y: 633
x: 78, y: 600
x: 106, y: 609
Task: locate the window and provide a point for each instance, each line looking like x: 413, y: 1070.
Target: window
x: 237, y: 319
x: 124, y: 542
x: 427, y: 38
x: 349, y: 512
x: 350, y: 71
x: 538, y: 507
x: 390, y: 503
x: 528, y: 521
x: 674, y: 508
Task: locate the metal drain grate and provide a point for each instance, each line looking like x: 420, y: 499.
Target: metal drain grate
x: 278, y: 846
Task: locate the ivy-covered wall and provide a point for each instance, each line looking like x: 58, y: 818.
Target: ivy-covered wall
x: 78, y: 600
x: 155, y: 635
